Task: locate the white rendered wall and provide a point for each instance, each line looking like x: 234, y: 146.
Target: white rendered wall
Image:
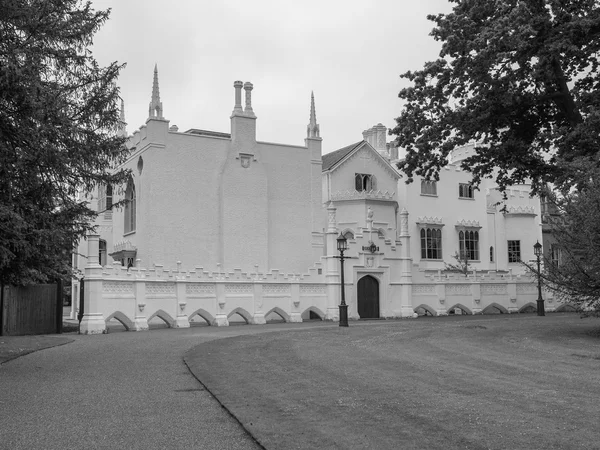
x: 197, y: 204
x: 352, y: 206
x: 496, y: 227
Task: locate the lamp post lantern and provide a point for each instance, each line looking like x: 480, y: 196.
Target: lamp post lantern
x: 537, y: 249
x: 342, y: 246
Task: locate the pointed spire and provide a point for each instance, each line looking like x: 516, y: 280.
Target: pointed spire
x: 155, y: 109
x: 312, y: 130
x: 122, y: 123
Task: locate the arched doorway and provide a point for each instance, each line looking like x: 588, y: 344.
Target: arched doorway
x: 368, y: 297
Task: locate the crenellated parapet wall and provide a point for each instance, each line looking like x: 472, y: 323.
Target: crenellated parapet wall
x: 444, y: 293
x: 135, y: 296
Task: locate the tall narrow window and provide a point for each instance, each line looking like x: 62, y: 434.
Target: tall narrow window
x: 102, y: 252
x: 109, y: 197
x: 514, y: 251
x: 130, y: 207
x: 431, y: 243
x: 364, y: 182
x: 491, y: 254
x: 555, y: 256
x: 469, y: 244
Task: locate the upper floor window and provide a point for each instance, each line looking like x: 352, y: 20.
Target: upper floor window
x: 514, y: 251
x: 102, y: 257
x: 364, y: 182
x: 130, y: 207
x: 428, y: 187
x: 469, y: 244
x: 105, y: 200
x: 555, y: 255
x: 465, y: 190
x: 431, y: 243
x: 348, y: 235
x: 109, y: 197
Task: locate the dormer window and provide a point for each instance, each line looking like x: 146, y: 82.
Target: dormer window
x: 364, y: 182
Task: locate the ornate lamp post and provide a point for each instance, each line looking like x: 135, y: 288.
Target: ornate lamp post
x: 537, y: 249
x: 342, y: 246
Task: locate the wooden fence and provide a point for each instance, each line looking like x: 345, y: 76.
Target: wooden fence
x: 33, y: 309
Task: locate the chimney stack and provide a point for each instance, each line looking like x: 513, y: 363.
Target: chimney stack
x: 248, y: 88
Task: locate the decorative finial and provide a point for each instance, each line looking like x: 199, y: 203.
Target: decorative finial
x: 155, y: 109
x: 312, y: 130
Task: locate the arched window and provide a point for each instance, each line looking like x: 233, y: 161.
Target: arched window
x: 431, y: 243
x: 381, y: 233
x: 348, y: 234
x: 364, y: 182
x: 465, y: 190
x: 130, y: 207
x: 428, y: 188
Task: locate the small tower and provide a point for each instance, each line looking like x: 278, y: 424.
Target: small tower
x: 313, y: 144
x: 155, y: 110
x: 122, y: 123
x: 312, y: 130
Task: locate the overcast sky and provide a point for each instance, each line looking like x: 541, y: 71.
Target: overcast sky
x: 350, y: 53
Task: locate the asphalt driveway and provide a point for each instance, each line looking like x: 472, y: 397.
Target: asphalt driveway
x: 121, y: 390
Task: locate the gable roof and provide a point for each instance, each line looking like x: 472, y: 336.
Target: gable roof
x: 331, y: 159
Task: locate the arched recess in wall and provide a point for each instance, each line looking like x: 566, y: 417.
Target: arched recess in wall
x: 243, y: 313
x: 567, y: 307
x: 463, y: 308
x: 208, y: 317
x: 425, y: 310
x: 312, y: 313
x: 494, y: 308
x: 528, y: 308
x: 280, y: 312
x: 166, y: 317
x: 348, y: 234
x: 119, y: 316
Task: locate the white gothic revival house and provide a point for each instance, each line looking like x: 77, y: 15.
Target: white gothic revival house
x: 218, y: 224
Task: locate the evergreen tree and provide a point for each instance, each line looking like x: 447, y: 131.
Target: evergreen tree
x: 59, y: 122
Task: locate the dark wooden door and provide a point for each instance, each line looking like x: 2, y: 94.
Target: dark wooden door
x: 368, y: 298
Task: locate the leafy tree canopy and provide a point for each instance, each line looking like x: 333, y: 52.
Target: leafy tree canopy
x: 573, y: 273
x: 59, y: 123
x: 520, y: 78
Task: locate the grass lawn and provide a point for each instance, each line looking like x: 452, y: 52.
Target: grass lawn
x: 469, y: 382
